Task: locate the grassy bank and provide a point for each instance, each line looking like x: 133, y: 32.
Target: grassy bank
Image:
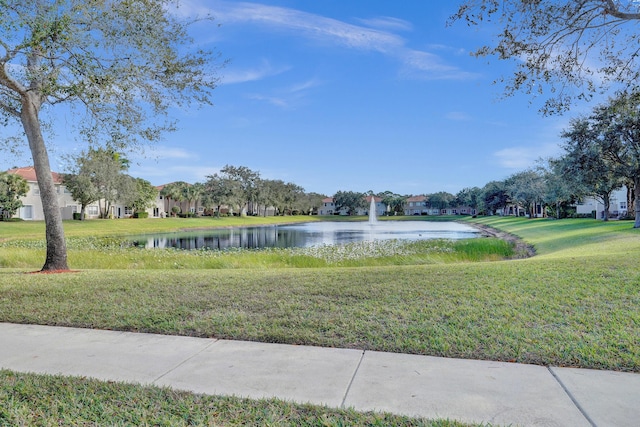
x: 574, y: 304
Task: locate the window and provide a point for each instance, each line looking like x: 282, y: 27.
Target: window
x: 36, y: 189
x: 27, y: 211
x: 92, y: 210
x: 623, y: 206
x: 128, y: 211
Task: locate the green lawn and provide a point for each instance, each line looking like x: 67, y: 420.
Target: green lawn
x: 43, y: 400
x: 574, y: 304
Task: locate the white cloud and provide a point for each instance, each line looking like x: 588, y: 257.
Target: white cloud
x: 273, y: 100
x: 458, y: 116
x: 416, y: 63
x: 264, y: 70
x: 162, y: 152
x: 387, y: 23
x: 519, y: 158
x: 288, y: 97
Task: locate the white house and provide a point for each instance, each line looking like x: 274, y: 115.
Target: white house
x: 617, y: 207
x: 32, y: 204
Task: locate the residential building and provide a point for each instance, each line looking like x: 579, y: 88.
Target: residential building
x: 417, y: 205
x: 328, y: 207
x: 617, y: 207
x: 381, y: 208
x: 32, y: 204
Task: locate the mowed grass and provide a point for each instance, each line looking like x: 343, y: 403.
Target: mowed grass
x: 43, y: 400
x: 574, y: 304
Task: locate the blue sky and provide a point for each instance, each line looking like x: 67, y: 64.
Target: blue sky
x: 349, y: 95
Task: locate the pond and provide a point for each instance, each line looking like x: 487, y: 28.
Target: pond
x: 306, y: 234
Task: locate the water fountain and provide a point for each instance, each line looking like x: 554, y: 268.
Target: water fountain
x: 373, y: 217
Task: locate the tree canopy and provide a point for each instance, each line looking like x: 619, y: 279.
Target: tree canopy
x: 349, y: 200
x: 563, y: 50
x: 12, y: 188
x: 118, y: 66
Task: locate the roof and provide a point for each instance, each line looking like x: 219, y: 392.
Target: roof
x: 417, y: 199
x: 29, y: 174
x: 376, y: 198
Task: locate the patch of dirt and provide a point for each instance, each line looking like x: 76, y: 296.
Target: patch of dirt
x: 54, y: 272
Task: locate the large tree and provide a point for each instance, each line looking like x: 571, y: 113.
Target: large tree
x: 587, y: 163
x: 527, y: 188
x: 103, y: 171
x: 617, y: 127
x: 562, y: 49
x: 117, y: 65
x: 247, y: 181
x: 82, y: 190
x: 218, y: 191
x: 142, y: 195
x: 351, y: 201
x: 495, y: 196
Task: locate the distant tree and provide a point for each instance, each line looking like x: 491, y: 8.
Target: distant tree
x: 526, y: 188
x: 495, y: 196
x: 82, y: 190
x: 192, y: 194
x: 395, y: 202
x: 218, y: 191
x: 309, y: 203
x: 118, y: 65
x: 246, y: 180
x: 441, y: 200
x: 560, y: 189
x: 12, y: 188
x: 291, y: 193
x: 470, y: 196
x: 141, y: 196
x: 349, y: 200
x: 104, y: 168
x: 569, y: 49
x: 174, y: 192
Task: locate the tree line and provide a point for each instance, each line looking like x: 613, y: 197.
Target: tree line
x: 242, y: 190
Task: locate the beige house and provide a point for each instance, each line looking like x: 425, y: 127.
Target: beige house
x: 416, y: 205
x: 32, y: 205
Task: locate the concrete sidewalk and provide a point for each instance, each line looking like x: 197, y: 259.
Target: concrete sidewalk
x: 431, y: 387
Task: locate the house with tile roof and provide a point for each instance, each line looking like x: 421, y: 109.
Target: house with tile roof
x: 416, y: 205
x: 32, y: 204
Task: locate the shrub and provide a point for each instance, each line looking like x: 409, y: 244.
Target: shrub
x: 141, y: 215
x: 77, y: 216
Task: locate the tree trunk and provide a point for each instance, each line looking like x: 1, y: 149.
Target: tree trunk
x: 631, y: 198
x: 636, y: 185
x: 56, y: 258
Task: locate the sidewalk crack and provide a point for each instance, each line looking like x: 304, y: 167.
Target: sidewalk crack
x: 573, y: 399
x: 353, y: 377
x: 186, y: 360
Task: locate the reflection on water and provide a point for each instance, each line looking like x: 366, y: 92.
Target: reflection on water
x: 308, y: 234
